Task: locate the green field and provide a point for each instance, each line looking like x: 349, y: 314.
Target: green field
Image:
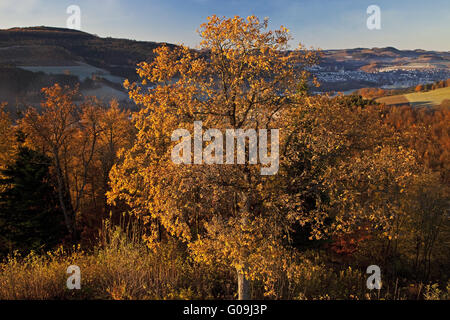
x: 431, y: 98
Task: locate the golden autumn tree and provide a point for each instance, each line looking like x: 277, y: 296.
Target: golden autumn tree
x: 116, y: 132
x: 51, y: 131
x: 348, y: 172
x: 82, y: 138
x: 242, y: 78
x: 7, y: 138
x: 8, y: 145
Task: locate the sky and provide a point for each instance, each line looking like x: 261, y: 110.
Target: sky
x: 324, y: 24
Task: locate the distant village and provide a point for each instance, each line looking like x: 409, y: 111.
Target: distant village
x: 338, y: 78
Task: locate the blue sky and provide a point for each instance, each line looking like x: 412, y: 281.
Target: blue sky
x: 326, y: 24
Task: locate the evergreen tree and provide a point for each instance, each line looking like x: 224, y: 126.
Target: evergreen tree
x: 29, y: 215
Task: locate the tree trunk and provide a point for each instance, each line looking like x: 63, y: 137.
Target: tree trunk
x: 62, y: 199
x: 243, y: 286
x: 243, y: 282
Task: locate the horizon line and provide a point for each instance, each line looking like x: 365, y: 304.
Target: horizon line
x: 170, y: 43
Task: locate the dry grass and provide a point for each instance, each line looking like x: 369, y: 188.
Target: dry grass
x: 393, y: 100
x: 120, y: 268
x: 123, y: 268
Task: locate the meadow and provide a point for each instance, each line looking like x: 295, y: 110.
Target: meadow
x: 121, y: 267
x: 431, y: 99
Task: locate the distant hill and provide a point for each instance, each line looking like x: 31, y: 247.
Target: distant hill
x: 39, y: 56
x: 388, y: 68
x: 359, y: 58
x: 118, y: 56
x: 31, y: 58
x: 431, y: 99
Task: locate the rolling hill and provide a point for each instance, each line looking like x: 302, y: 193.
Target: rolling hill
x: 433, y: 98
x: 31, y: 58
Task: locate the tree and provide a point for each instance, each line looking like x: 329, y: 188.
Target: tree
x: 243, y: 78
x: 82, y: 139
x: 30, y: 218
x: 324, y: 134
x: 8, y: 146
x: 117, y: 133
x: 348, y: 172
x: 52, y: 131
